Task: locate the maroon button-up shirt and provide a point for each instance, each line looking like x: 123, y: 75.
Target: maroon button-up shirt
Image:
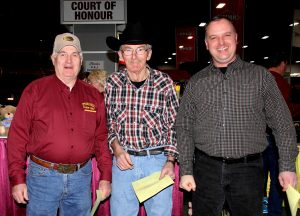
x: 59, y: 125
x: 285, y: 89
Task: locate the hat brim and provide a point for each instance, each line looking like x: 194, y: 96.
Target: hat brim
x: 113, y: 43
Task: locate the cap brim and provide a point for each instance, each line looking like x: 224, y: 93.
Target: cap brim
x: 113, y: 43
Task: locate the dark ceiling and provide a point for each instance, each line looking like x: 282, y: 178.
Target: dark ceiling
x: 29, y: 28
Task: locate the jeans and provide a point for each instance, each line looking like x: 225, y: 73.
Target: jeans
x: 123, y: 200
x: 49, y: 191
x: 238, y: 184
x: 270, y: 156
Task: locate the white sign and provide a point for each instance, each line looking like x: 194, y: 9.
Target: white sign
x: 93, y: 12
x: 93, y: 65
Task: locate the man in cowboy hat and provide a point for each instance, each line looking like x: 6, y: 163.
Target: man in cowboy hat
x: 141, y: 108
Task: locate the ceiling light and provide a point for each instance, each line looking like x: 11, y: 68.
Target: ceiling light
x: 11, y: 98
x: 220, y: 5
x: 294, y: 24
x: 265, y: 37
x: 202, y: 24
x: 190, y: 37
x: 245, y: 46
x: 295, y: 75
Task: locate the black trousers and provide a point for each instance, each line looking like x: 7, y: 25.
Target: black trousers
x: 240, y: 184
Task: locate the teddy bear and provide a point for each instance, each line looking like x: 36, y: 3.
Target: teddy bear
x: 7, y: 113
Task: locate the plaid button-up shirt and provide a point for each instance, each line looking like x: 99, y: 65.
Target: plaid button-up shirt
x: 144, y: 117
x: 225, y: 115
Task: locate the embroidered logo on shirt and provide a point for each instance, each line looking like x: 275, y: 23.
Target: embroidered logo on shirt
x: 88, y: 107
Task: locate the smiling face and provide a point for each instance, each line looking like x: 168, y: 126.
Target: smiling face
x: 221, y: 42
x: 67, y: 64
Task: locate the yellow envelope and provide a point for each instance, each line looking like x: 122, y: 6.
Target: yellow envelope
x: 97, y: 202
x: 293, y: 198
x: 149, y: 186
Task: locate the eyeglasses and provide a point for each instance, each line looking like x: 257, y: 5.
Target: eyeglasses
x: 137, y: 51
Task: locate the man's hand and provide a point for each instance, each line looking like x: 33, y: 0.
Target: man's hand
x: 105, y: 188
x: 187, y: 183
x: 19, y: 193
x: 287, y: 178
x: 168, y: 169
x: 122, y: 157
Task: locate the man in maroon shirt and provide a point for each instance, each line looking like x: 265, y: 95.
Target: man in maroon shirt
x: 60, y: 123
x: 276, y: 65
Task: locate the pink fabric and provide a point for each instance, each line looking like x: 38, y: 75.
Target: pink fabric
x: 7, y: 204
x: 4, y: 182
x: 104, y: 209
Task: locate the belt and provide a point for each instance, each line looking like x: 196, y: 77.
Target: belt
x: 146, y: 152
x: 61, y: 168
x: 247, y: 158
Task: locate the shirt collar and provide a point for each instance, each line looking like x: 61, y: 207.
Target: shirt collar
x: 237, y: 63
x: 125, y: 78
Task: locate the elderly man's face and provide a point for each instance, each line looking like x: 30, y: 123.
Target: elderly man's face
x: 67, y: 63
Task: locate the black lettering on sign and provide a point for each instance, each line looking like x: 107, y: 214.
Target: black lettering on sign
x: 86, y: 5
x: 93, y: 15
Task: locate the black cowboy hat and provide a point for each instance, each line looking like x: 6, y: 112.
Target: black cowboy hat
x: 133, y: 34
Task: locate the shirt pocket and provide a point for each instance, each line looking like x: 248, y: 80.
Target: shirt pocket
x: 89, y: 119
x: 152, y: 123
x: 248, y: 96
x: 152, y: 116
x: 120, y: 115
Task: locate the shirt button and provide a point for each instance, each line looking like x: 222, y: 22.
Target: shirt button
x: 72, y: 129
x: 72, y: 146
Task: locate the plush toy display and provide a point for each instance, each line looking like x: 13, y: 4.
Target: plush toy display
x: 7, y: 113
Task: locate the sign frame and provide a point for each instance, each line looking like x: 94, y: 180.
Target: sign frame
x: 93, y: 12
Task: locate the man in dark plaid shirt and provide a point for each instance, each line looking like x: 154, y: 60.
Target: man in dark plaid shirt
x: 141, y: 107
x: 221, y: 126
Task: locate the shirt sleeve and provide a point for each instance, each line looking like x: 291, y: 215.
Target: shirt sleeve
x: 19, y: 136
x: 184, y: 129
x: 172, y: 105
x: 279, y: 119
x: 111, y: 122
x: 103, y: 154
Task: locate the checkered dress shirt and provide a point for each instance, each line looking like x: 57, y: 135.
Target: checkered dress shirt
x: 142, y: 118
x: 225, y: 115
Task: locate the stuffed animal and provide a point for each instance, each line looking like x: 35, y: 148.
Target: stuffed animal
x: 7, y: 113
